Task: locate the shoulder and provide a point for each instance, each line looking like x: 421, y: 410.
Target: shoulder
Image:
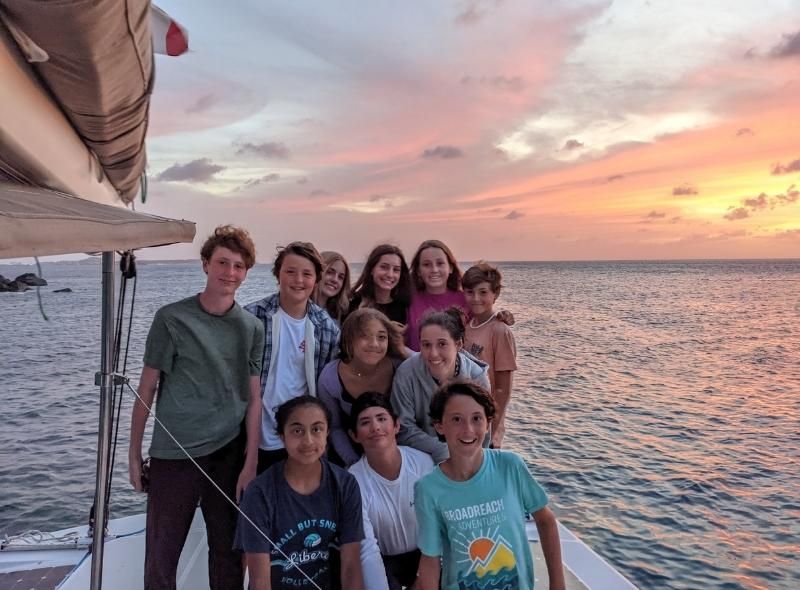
x: 503, y: 459
x: 417, y: 461
x: 177, y: 307
x: 320, y: 317
x: 341, y: 475
x: 266, y: 485
x: 473, y: 368
x: 240, y: 315
x: 500, y: 328
x: 428, y: 484
x: 330, y: 370
x: 263, y: 307
x: 408, y: 368
x: 360, y: 470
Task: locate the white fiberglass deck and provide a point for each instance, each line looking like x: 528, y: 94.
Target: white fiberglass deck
x: 68, y: 568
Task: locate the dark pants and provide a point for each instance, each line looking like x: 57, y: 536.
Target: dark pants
x: 267, y: 459
x: 401, y: 570
x: 176, y: 488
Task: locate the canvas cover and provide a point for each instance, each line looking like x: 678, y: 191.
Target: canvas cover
x: 40, y: 222
x: 100, y: 72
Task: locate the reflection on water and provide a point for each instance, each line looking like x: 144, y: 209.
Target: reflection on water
x: 659, y: 404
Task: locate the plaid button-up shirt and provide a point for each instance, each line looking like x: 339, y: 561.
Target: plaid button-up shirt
x: 326, y: 332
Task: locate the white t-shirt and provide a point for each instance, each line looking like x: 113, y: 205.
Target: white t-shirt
x: 287, y: 376
x: 389, y: 505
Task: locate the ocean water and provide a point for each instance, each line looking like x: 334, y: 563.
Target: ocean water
x: 657, y: 402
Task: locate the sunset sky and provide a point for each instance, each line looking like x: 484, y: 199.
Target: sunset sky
x: 512, y: 130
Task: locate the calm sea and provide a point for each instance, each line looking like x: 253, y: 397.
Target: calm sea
x: 657, y: 402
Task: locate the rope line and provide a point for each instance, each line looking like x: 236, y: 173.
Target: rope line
x: 213, y: 483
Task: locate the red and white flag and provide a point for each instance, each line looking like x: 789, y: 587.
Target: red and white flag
x: 169, y: 38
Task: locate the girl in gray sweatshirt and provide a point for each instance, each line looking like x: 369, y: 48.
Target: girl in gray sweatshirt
x: 440, y: 360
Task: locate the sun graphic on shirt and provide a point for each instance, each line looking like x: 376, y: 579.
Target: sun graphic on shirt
x: 487, y: 555
x: 480, y: 548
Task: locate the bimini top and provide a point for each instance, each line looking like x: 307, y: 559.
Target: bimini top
x: 40, y: 222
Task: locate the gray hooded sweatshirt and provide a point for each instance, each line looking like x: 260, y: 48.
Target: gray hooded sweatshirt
x: 412, y: 390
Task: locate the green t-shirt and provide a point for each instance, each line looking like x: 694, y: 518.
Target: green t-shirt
x: 206, y: 362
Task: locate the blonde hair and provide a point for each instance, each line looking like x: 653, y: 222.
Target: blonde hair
x: 335, y: 306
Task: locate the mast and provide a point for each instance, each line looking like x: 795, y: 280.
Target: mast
x: 105, y: 379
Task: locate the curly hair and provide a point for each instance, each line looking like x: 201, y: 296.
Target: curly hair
x: 453, y: 280
x: 354, y: 325
x: 235, y: 239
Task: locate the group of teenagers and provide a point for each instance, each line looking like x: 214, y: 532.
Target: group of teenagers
x: 337, y: 437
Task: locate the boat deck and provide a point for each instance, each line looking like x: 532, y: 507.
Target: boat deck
x: 45, y: 578
x: 540, y: 577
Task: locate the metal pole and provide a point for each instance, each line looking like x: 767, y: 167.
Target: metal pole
x: 104, y: 433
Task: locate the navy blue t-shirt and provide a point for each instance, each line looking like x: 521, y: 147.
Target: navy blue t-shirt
x: 302, y: 526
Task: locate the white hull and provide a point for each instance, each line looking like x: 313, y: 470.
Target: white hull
x: 124, y: 560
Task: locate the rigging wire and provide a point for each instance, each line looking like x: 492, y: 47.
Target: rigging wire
x: 127, y: 267
x: 224, y: 495
x: 38, y: 292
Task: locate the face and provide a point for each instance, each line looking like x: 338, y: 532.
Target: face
x: 296, y: 279
x: 386, y: 273
x: 464, y: 425
x: 333, y: 279
x: 434, y: 269
x: 225, y: 269
x: 371, y: 345
x: 305, y: 434
x: 375, y: 429
x: 439, y: 351
x: 480, y: 299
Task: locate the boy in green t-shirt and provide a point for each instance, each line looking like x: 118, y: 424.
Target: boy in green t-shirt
x: 470, y: 510
x: 203, y: 359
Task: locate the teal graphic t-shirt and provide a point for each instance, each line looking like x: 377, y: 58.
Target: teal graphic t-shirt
x: 478, y: 526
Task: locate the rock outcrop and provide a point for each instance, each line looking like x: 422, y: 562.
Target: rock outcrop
x: 31, y: 279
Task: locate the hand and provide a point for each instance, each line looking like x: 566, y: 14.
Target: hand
x: 135, y: 469
x: 505, y: 316
x: 245, y: 477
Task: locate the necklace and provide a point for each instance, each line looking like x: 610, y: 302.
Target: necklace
x: 362, y: 374
x: 482, y: 324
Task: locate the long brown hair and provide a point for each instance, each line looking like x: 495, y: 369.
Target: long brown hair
x: 453, y: 280
x: 365, y: 285
x: 335, y: 306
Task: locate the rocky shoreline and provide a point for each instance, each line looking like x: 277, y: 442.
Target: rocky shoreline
x: 22, y: 283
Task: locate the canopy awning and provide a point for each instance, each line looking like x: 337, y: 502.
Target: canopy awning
x: 40, y: 222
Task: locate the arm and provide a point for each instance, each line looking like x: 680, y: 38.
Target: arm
x: 258, y: 566
x: 372, y: 567
x: 351, y: 566
x: 547, y: 525
x: 148, y: 384
x: 253, y: 425
x: 430, y: 569
x: 339, y: 439
x: 501, y: 394
x: 410, y: 433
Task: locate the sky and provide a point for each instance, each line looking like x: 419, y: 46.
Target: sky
x: 511, y: 130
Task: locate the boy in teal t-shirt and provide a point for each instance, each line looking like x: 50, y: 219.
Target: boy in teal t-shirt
x: 470, y: 510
